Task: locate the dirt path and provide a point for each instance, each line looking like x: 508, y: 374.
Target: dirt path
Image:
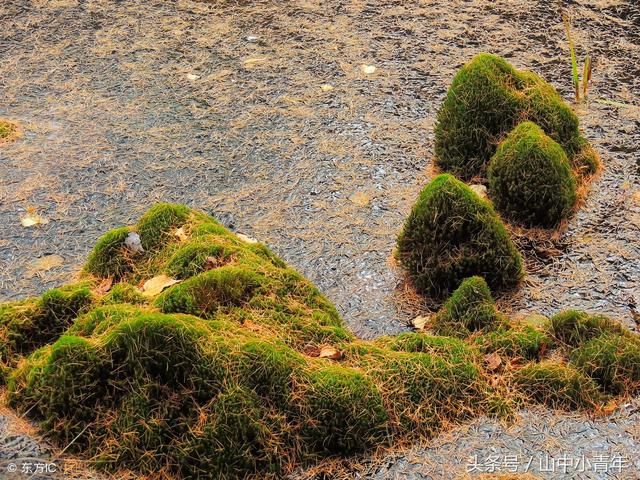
x: 220, y: 105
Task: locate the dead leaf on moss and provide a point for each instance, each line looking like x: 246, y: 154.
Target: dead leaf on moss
x: 180, y: 234
x: 326, y: 87
x: 493, y: 361
x: 104, y: 286
x: 330, y: 352
x: 246, y: 238
x: 420, y: 322
x: 156, y: 285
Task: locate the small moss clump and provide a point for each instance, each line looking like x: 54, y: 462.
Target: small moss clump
x: 452, y: 234
x: 557, y: 385
x: 611, y: 360
x: 530, y: 179
x: 158, y: 222
x: 486, y: 100
x: 469, y: 309
x: 109, y: 257
x: 574, y: 328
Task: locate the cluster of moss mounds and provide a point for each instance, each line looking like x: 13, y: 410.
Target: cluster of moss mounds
x: 530, y: 179
x: 486, y: 100
x: 222, y: 375
x: 450, y: 234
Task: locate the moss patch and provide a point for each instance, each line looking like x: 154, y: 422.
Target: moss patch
x: 452, y: 234
x: 221, y: 375
x: 557, y: 385
x: 8, y: 130
x: 573, y: 327
x: 486, y: 100
x: 530, y: 179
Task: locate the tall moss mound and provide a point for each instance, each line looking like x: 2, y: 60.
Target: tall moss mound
x: 486, y: 100
x: 242, y: 369
x: 452, y: 234
x: 530, y: 179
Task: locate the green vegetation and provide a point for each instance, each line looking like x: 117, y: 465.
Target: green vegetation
x: 612, y: 360
x: 223, y: 373
x: 557, y: 385
x: 452, y: 234
x: 530, y: 179
x: 574, y: 328
x: 486, y: 100
x: 469, y: 309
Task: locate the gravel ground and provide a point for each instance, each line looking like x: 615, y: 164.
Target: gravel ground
x: 220, y: 105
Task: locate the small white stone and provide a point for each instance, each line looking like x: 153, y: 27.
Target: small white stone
x: 480, y: 190
x: 133, y: 243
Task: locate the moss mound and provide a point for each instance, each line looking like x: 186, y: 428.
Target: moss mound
x: 515, y: 341
x: 469, y: 309
x: 8, y: 130
x: 222, y: 375
x: 530, y: 179
x: 452, y: 234
x: 612, y: 360
x: 573, y: 327
x: 486, y: 100
x: 557, y: 386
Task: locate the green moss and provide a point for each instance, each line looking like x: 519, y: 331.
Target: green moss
x: 239, y: 437
x: 486, y: 100
x: 109, y: 257
x: 195, y: 258
x: 530, y: 179
x: 342, y: 410
x: 515, y: 341
x: 557, y: 386
x: 612, y: 360
x: 574, y: 328
x: 470, y: 308
x: 157, y: 224
x: 452, y: 349
x: 124, y: 293
x: 27, y: 325
x: 452, y: 234
x: 206, y: 293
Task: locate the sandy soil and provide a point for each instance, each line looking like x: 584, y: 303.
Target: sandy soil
x: 221, y: 105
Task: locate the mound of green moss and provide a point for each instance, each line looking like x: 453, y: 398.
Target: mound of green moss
x: 469, y: 309
x: 222, y: 374
x: 452, y: 234
x: 530, y: 179
x: 7, y: 129
x: 486, y: 100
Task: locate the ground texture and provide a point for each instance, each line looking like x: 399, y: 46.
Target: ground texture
x: 221, y: 106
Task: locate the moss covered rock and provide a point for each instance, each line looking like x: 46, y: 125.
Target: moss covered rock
x: 486, y: 100
x: 452, y: 234
x: 530, y: 179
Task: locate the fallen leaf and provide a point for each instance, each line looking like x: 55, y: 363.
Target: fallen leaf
x: 420, y: 322
x: 157, y: 284
x: 368, y: 69
x: 32, y: 218
x: 46, y: 263
x: 479, y: 189
x: 360, y: 198
x: 326, y: 87
x: 180, y: 234
x: 246, y: 238
x: 311, y: 351
x: 104, y: 286
x: 330, y: 353
x: 250, y: 62
x: 493, y: 361
x: 192, y: 76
